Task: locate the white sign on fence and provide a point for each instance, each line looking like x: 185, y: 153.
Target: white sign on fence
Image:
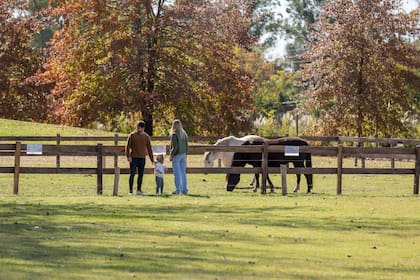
x: 159, y: 149
x: 34, y: 149
x: 291, y: 151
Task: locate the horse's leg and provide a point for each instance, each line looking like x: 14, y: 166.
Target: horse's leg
x: 308, y: 162
x: 251, y: 183
x: 297, y: 164
x: 270, y: 184
x: 297, y: 188
x: 309, y: 182
x: 257, y: 182
x: 257, y: 176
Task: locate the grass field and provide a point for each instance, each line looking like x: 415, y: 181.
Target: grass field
x: 58, y: 228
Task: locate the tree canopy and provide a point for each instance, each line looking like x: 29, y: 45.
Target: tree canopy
x: 360, y: 70
x: 84, y: 62
x: 161, y: 59
x: 19, y: 60
x: 296, y: 26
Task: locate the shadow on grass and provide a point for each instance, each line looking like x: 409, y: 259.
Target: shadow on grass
x: 80, y: 237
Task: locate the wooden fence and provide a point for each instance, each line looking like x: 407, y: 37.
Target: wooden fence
x: 324, y: 140
x: 100, y: 151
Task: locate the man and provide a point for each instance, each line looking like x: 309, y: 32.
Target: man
x: 137, y: 147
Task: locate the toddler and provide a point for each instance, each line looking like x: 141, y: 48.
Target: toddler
x: 159, y: 173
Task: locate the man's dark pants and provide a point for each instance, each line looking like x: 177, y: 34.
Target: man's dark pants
x: 136, y: 164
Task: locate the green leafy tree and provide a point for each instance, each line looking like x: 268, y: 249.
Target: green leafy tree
x: 274, y: 99
x: 267, y: 23
x: 274, y: 93
x: 361, y: 71
x: 297, y: 25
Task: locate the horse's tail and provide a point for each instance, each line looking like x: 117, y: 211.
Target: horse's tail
x: 309, y: 177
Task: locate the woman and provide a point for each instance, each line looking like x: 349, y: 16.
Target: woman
x: 178, y: 156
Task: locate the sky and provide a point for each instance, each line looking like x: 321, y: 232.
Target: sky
x: 278, y: 51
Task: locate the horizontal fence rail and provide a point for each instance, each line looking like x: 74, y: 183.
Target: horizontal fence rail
x: 123, y: 138
x: 92, y: 150
x: 17, y: 150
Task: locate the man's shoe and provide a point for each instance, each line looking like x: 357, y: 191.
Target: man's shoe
x: 175, y: 192
x: 140, y: 193
x: 130, y: 193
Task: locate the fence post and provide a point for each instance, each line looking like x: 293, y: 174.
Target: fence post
x: 362, y: 145
x: 283, y: 169
x: 339, y: 168
x: 116, y: 156
x: 116, y: 180
x: 355, y: 158
x: 264, y: 168
x: 392, y: 159
x: 417, y: 174
x: 18, y: 149
x: 57, y: 159
x: 100, y: 170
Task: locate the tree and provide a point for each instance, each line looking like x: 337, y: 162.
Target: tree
x: 164, y: 59
x: 296, y: 25
x: 360, y: 72
x: 267, y: 24
x: 271, y: 96
x: 45, y: 34
x: 19, y: 60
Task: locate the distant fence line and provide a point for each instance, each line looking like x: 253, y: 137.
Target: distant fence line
x: 100, y: 151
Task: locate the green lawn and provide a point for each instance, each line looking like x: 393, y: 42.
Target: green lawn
x: 58, y: 228
x: 21, y: 128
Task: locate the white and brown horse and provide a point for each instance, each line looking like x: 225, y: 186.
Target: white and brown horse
x: 227, y: 157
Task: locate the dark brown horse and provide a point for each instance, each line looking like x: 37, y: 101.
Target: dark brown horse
x: 275, y: 159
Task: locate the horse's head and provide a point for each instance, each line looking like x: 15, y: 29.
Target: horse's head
x: 209, y: 158
x: 226, y: 157
x: 231, y: 181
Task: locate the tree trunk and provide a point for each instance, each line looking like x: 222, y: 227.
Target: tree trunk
x: 149, y: 107
x: 360, y: 91
x: 148, y: 119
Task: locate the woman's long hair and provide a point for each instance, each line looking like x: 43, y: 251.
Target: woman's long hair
x: 177, y: 125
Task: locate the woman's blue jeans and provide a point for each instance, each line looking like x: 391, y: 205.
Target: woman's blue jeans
x: 179, y: 165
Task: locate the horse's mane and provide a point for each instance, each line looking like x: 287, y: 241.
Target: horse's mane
x: 236, y: 141
x: 287, y: 139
